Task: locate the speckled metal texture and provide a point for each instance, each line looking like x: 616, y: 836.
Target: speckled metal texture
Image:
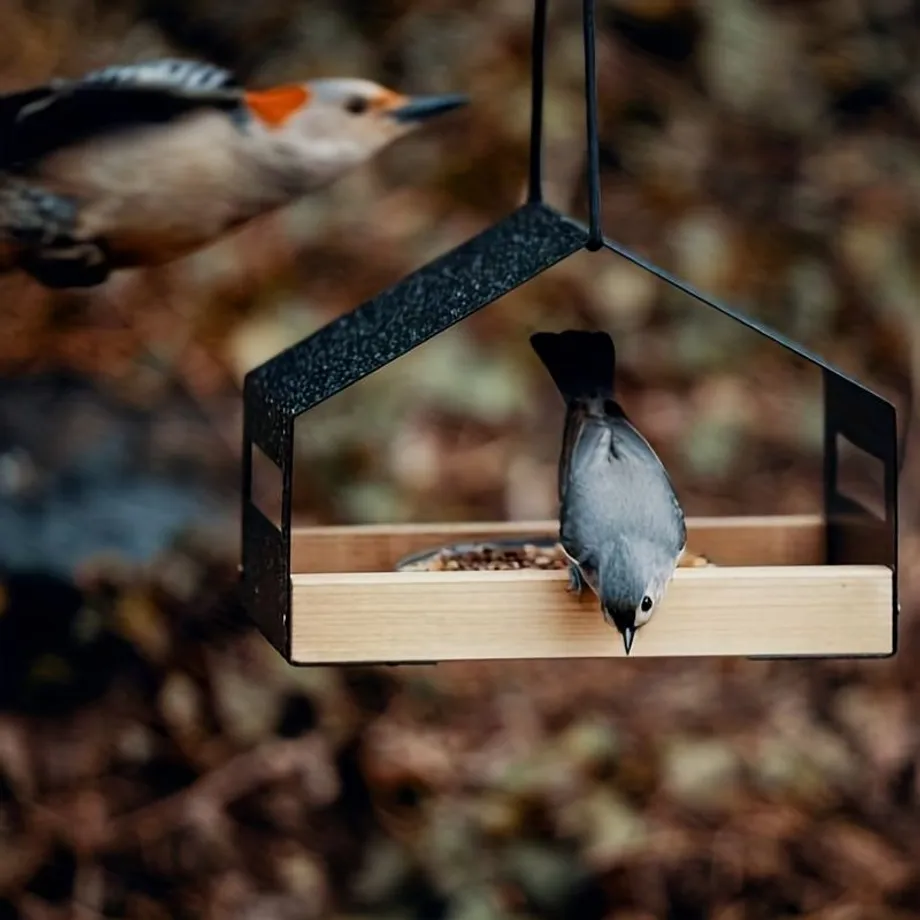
x: 266, y: 548
x: 427, y: 302
x: 267, y: 577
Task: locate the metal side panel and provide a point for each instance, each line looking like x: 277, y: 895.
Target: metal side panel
x: 266, y: 546
x: 858, y: 534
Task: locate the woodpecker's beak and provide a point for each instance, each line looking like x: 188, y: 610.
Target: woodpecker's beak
x: 628, y: 636
x: 421, y: 108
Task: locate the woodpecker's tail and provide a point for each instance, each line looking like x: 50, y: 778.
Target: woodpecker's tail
x: 582, y: 364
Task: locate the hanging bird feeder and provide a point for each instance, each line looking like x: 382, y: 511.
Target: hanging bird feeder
x: 818, y: 586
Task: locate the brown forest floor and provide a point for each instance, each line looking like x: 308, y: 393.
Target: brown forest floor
x: 157, y: 760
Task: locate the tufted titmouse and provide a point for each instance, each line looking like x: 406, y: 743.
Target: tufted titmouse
x: 620, y: 523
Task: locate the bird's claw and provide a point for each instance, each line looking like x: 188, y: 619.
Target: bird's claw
x: 576, y: 580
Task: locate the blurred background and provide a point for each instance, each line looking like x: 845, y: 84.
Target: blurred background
x: 159, y: 760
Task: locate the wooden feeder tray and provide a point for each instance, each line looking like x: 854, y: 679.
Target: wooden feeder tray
x: 822, y: 585
x: 766, y: 592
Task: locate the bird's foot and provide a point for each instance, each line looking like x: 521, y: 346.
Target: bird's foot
x: 576, y: 580
x: 34, y: 217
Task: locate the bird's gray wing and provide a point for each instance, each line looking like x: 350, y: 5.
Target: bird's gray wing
x: 579, y: 440
x: 617, y: 486
x: 630, y: 444
x: 574, y: 423
x: 38, y: 121
x: 583, y: 563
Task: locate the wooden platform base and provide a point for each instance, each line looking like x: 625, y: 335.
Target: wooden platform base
x: 769, y: 594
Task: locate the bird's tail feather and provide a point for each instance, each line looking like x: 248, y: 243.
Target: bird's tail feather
x: 581, y: 363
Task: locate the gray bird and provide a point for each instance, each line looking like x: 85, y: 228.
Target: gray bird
x: 141, y: 164
x: 620, y: 523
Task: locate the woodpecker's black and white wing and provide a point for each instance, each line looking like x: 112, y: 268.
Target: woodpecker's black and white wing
x: 38, y: 121
x: 177, y: 73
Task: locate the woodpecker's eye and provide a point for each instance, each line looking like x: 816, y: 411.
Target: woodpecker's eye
x: 646, y: 604
x: 357, y: 105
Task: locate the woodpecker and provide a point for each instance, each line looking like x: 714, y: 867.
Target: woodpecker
x: 141, y: 164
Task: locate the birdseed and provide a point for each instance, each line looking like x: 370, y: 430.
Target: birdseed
x: 507, y: 558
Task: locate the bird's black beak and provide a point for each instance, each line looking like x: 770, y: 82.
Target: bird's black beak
x: 628, y: 636
x: 421, y: 108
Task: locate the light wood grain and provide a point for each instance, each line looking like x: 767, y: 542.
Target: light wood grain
x: 772, y: 540
x: 443, y: 616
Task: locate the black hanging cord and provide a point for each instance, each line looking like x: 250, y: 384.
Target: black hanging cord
x: 595, y: 231
x: 537, y: 82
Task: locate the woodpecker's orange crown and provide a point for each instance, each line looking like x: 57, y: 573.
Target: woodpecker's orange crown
x: 274, y: 106
x: 347, y: 96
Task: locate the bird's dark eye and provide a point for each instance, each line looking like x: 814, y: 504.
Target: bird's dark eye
x: 646, y: 604
x: 356, y: 105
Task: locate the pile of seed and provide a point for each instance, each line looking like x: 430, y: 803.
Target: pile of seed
x: 490, y: 557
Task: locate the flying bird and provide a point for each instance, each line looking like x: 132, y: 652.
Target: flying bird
x: 141, y: 164
x: 620, y: 523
